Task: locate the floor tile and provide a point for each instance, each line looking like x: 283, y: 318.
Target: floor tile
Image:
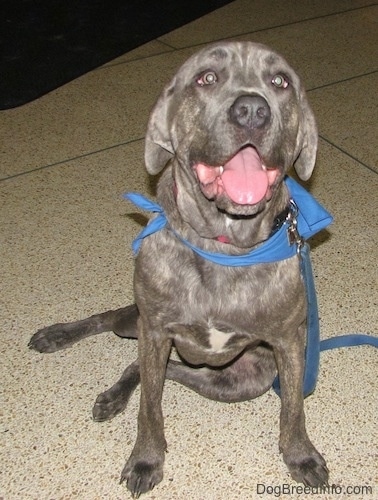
x: 353, y: 127
x: 101, y: 109
x: 344, y: 255
x: 326, y: 50
x: 60, y: 222
x: 244, y: 16
x: 146, y: 50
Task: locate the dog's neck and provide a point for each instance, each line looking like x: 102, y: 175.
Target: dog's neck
x: 211, y: 229
x: 277, y: 223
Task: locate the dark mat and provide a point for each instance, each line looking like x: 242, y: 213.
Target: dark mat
x: 47, y: 43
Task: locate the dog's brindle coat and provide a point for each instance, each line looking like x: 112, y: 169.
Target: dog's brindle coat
x: 233, y: 327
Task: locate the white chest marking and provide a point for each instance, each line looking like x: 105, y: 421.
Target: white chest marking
x: 218, y: 339
x: 229, y: 221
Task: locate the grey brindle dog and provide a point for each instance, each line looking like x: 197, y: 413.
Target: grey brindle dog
x: 226, y: 130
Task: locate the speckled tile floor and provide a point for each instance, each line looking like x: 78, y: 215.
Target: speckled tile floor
x: 65, y: 254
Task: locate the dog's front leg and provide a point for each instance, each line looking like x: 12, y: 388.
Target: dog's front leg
x: 144, y: 469
x: 305, y: 463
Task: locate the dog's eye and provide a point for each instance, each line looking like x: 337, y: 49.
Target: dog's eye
x: 207, y: 78
x: 280, y: 82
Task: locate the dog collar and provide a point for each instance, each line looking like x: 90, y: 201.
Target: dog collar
x: 310, y: 218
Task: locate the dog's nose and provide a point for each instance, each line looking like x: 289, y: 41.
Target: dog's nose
x: 251, y: 111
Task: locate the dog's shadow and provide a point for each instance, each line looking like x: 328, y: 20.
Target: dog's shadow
x: 137, y: 217
x: 140, y: 219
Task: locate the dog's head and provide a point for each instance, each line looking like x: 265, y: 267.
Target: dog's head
x: 236, y: 118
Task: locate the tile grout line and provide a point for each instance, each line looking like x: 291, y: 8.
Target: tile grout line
x: 362, y: 75
x: 73, y: 158
x: 140, y: 58
x: 292, y: 23
x: 178, y: 49
x: 365, y: 165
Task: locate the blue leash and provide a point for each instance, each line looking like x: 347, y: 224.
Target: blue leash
x: 314, y: 344
x: 309, y: 218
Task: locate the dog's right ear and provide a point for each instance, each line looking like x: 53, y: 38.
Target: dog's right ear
x: 158, y: 146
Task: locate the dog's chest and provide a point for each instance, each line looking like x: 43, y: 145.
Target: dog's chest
x: 252, y: 300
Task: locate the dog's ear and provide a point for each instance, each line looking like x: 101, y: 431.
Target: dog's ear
x: 308, y: 141
x: 158, y: 146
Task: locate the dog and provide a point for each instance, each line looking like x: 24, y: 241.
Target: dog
x: 224, y: 131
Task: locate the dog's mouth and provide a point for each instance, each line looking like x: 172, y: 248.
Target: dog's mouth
x: 244, y: 179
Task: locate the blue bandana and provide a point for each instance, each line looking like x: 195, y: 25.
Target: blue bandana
x: 311, y: 218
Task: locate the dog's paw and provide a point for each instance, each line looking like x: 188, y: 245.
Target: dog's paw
x: 109, y: 404
x: 113, y: 401
x: 311, y: 471
x: 50, y: 339
x: 141, y: 476
x: 60, y: 336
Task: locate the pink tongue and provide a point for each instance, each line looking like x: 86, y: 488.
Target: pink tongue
x: 244, y: 179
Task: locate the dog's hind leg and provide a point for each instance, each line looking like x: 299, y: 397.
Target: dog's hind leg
x: 249, y: 376
x: 246, y: 378
x: 62, y: 335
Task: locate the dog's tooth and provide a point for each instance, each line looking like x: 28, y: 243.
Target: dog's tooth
x: 221, y: 169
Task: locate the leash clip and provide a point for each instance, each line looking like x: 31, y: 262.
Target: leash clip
x: 292, y: 230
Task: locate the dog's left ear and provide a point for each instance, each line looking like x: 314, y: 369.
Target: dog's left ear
x: 158, y: 146
x: 308, y: 141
